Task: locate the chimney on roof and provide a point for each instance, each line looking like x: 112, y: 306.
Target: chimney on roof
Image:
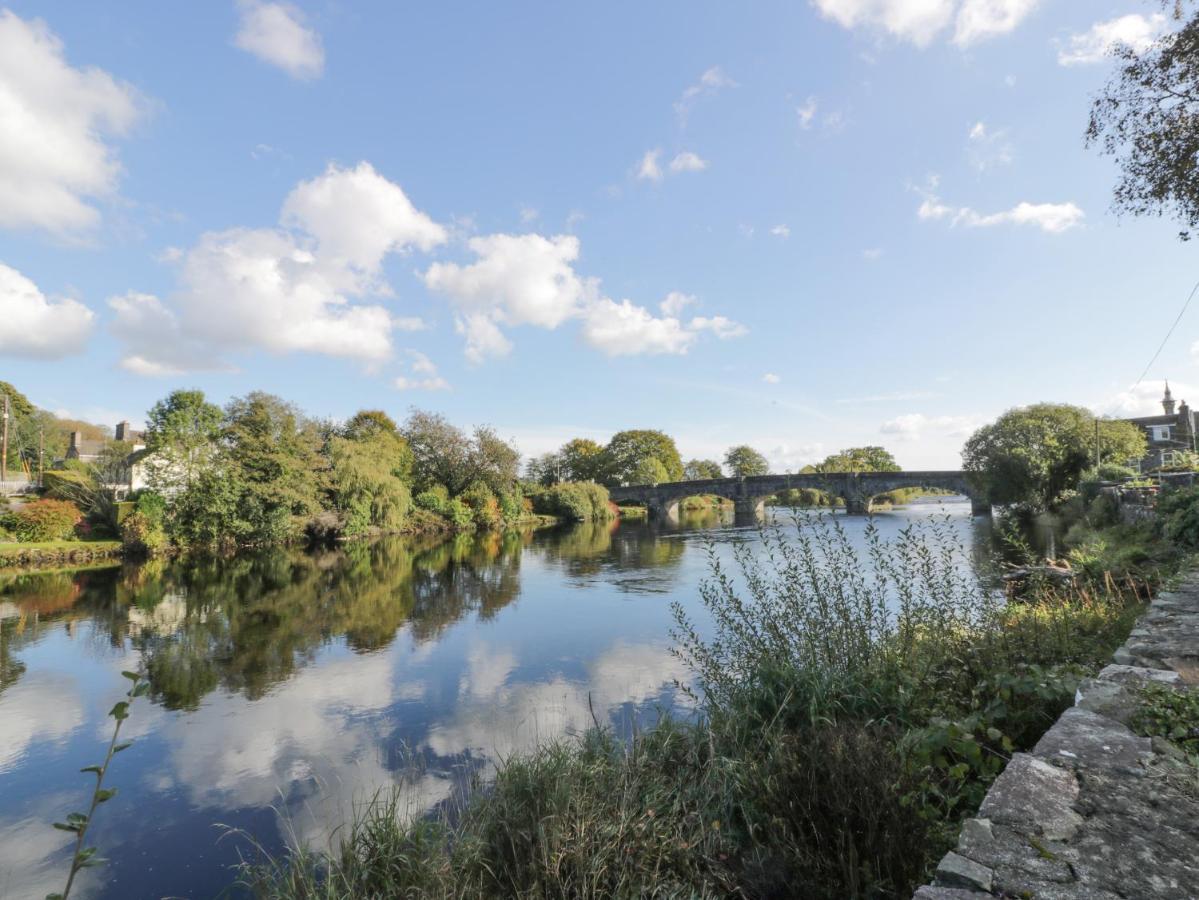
x: 1168, y: 401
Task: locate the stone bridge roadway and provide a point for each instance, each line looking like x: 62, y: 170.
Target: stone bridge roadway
x: 749, y: 494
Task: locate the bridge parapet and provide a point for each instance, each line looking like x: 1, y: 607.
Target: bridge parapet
x: 857, y: 489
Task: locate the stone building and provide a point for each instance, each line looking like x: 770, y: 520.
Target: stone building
x: 1169, y: 434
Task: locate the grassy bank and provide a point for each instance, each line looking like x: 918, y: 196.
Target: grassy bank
x: 853, y: 709
x: 53, y: 553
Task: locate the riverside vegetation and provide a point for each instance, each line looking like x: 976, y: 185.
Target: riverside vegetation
x: 259, y: 471
x: 851, y: 710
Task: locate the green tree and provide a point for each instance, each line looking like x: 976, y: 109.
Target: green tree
x: 275, y: 454
x: 649, y: 470
x: 445, y: 454
x: 494, y: 461
x: 628, y: 452
x: 441, y: 452
x: 369, y: 487
x: 545, y: 469
x: 1035, y: 454
x: 182, y: 432
x: 1148, y: 118
x: 743, y: 461
x: 21, y: 438
x: 702, y: 470
x: 583, y: 460
x: 858, y: 459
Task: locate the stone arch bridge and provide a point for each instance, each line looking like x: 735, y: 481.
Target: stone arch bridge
x: 749, y: 494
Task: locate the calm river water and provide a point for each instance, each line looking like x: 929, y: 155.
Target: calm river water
x: 287, y: 687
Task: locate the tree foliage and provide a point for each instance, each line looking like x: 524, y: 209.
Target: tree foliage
x: 369, y: 479
x: 275, y: 455
x: 1148, y: 118
x: 702, y: 470
x: 858, y: 459
x: 743, y: 461
x: 182, y: 432
x: 1035, y: 454
x: 583, y: 460
x: 629, y: 452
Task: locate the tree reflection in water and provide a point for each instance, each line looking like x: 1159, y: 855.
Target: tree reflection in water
x: 248, y: 622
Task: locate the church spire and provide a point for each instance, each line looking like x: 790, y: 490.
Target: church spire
x: 1168, y: 401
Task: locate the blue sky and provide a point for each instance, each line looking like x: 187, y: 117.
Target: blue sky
x: 799, y: 225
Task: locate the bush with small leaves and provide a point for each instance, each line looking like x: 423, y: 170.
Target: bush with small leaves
x: 44, y: 520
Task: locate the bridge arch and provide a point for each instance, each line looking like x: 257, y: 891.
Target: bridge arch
x: 749, y: 494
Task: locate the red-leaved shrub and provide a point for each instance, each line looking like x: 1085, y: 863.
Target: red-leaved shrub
x: 44, y: 520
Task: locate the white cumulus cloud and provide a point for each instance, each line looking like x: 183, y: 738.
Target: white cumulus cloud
x: 530, y: 279
x: 771, y: 378
x: 54, y: 121
x: 423, y: 377
x: 33, y: 325
x: 688, y: 162
x: 922, y: 21
x: 1134, y: 31
x: 783, y: 231
x: 913, y: 426
x: 711, y: 82
x: 285, y: 289
x: 1053, y: 218
x: 276, y: 34
x: 649, y: 169
x: 981, y: 19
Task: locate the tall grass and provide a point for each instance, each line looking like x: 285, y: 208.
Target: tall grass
x: 854, y: 706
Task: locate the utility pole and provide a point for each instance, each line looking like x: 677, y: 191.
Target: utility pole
x: 1096, y: 443
x: 41, y: 456
x: 4, y: 444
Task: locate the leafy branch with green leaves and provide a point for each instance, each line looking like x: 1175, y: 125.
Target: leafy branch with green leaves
x: 78, y: 823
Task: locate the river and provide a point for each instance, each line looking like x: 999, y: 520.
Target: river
x: 288, y: 687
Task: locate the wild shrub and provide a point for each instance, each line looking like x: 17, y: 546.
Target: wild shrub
x: 44, y: 520
x: 485, y: 508
x: 141, y: 534
x: 576, y: 501
x: 435, y: 499
x: 459, y: 514
x: 1179, y: 513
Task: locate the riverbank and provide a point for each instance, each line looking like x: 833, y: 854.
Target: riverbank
x: 50, y: 555
x: 1105, y: 804
x: 845, y: 763
x: 53, y: 554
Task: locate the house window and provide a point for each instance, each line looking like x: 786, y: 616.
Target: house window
x: 1161, y: 432
x: 1169, y: 457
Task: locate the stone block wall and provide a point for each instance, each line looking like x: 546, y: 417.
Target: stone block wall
x: 1095, y: 812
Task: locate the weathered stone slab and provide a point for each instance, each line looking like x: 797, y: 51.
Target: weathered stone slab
x: 1095, y: 812
x: 1033, y: 797
x: 1084, y: 738
x: 958, y: 871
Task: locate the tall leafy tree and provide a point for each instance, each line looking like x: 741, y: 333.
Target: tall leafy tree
x: 859, y: 459
x: 1035, y: 454
x: 546, y: 469
x: 628, y: 452
x: 1148, y: 118
x: 495, y: 462
x: 583, y: 460
x: 702, y: 470
x: 182, y: 434
x: 743, y: 461
x: 275, y: 454
x: 441, y: 452
x: 444, y: 454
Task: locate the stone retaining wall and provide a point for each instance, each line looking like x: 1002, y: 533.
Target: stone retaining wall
x: 1095, y: 812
